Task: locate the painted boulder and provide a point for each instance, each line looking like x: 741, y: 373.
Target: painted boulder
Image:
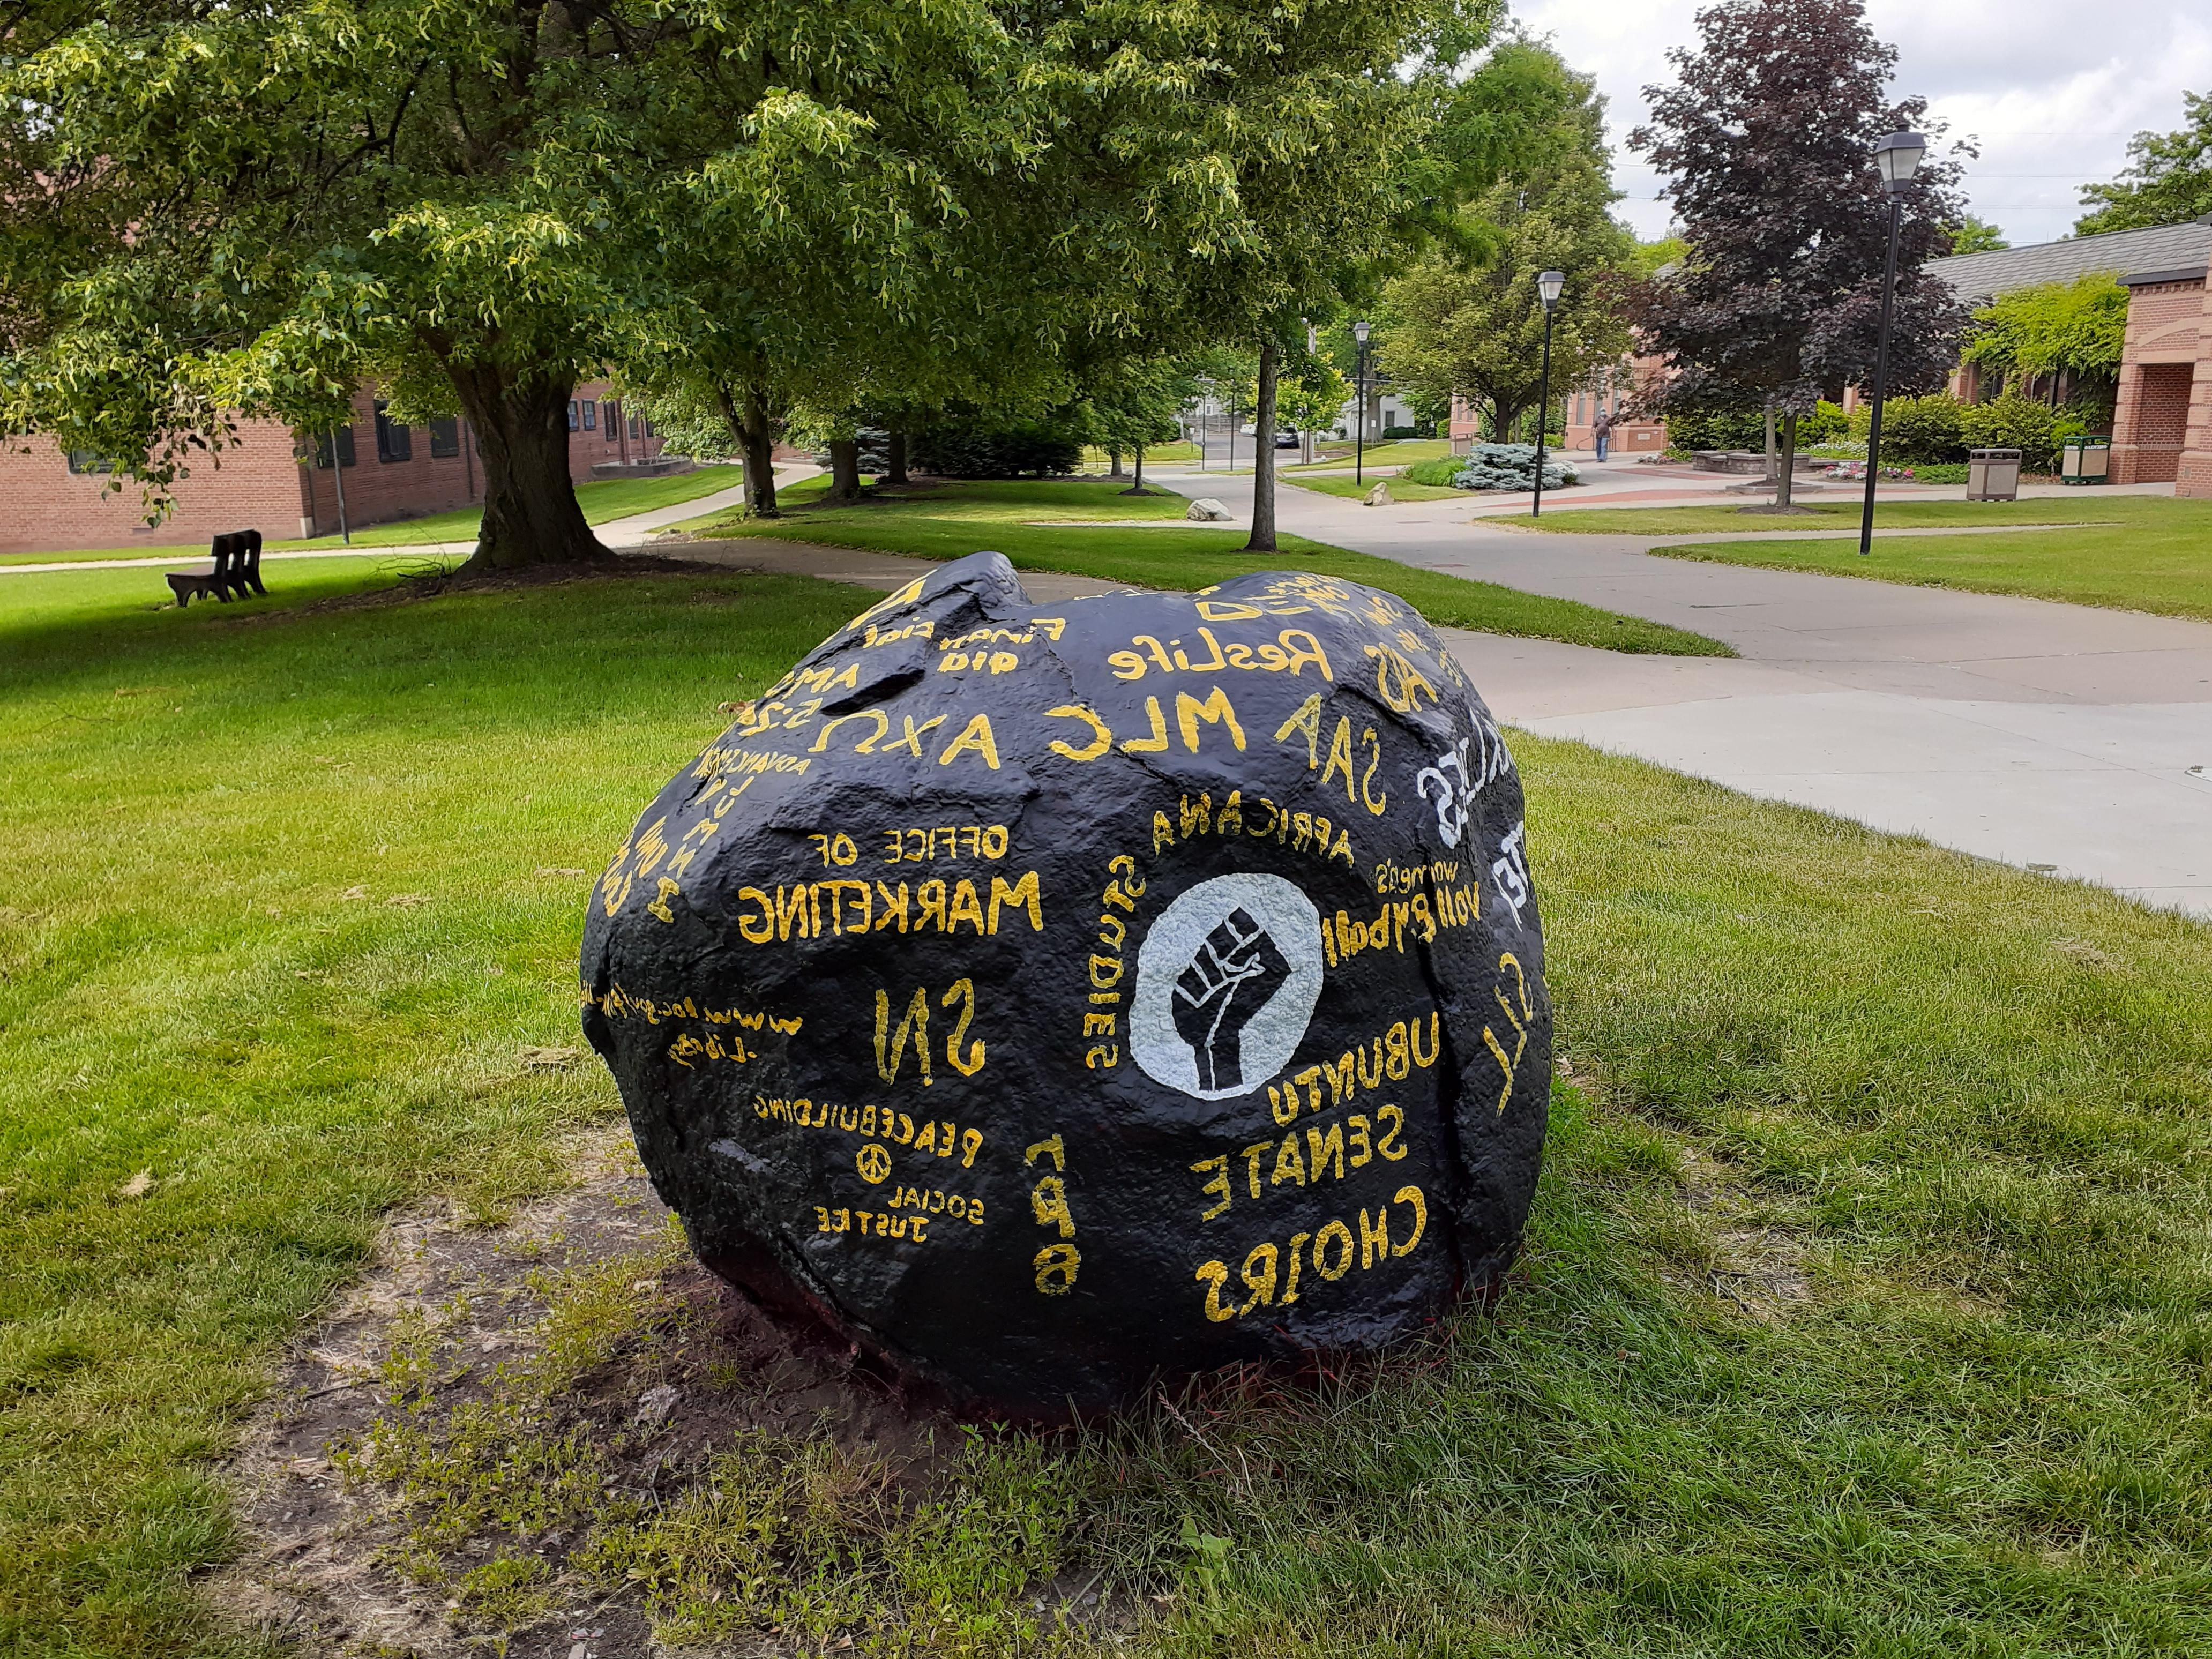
x: 1051, y: 998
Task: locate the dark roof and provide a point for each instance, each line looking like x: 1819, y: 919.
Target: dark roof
x: 2175, y: 248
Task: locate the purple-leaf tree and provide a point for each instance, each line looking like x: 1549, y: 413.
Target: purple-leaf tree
x: 1767, y: 141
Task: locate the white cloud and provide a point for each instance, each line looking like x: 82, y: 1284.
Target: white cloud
x: 2051, y: 91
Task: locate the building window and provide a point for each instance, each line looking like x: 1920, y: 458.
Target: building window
x: 574, y: 420
x: 346, y: 449
x: 612, y: 424
x: 633, y: 425
x: 83, y: 461
x: 394, y: 442
x: 590, y: 416
x: 445, y: 438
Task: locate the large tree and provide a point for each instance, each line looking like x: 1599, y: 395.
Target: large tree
x: 1309, y: 134
x: 1473, y: 327
x: 472, y: 203
x: 1767, y: 142
x: 2167, y: 180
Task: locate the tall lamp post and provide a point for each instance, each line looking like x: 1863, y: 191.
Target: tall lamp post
x: 1549, y: 286
x: 1359, y: 397
x: 1899, y: 157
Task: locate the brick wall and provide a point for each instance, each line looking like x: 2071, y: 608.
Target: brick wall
x: 377, y: 491
x: 261, y: 485
x: 2160, y: 368
x: 44, y: 504
x: 601, y: 430
x: 2193, y: 470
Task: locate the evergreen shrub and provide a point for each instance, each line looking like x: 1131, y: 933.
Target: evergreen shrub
x: 1509, y: 466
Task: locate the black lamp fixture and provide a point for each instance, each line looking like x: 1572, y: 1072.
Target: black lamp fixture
x: 1550, y: 285
x: 1897, y: 158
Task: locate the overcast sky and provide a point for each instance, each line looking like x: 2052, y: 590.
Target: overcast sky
x: 2051, y: 90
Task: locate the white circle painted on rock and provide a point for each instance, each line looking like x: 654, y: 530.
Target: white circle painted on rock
x: 1250, y: 1045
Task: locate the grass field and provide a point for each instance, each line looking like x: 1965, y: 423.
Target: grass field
x: 1399, y: 491
x: 1866, y: 1305
x: 1394, y: 451
x: 2130, y: 552
x: 1038, y: 526
x: 1833, y: 512
x: 602, y: 500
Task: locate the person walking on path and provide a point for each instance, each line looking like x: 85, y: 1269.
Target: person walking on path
x: 1603, y: 430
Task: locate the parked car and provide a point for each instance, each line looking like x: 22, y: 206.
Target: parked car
x: 1286, y: 441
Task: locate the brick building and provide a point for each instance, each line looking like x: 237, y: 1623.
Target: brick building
x: 283, y: 485
x: 2162, y: 422
x: 1608, y: 388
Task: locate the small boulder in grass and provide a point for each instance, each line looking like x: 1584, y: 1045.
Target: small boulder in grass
x: 1380, y: 495
x: 1052, y: 999
x: 1206, y: 510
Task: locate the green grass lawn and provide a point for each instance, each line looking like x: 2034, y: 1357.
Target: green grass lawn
x: 1177, y: 454
x: 2158, y: 556
x: 1394, y: 451
x: 1866, y: 1305
x: 1399, y: 491
x: 602, y: 500
x: 1833, y: 512
x: 1017, y: 519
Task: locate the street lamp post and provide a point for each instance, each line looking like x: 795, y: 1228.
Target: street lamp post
x: 1899, y: 157
x: 1360, y: 421
x: 1549, y: 286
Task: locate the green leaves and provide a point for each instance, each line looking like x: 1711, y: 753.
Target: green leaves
x: 2079, y: 325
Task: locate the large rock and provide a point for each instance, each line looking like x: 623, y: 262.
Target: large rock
x: 1206, y: 510
x: 1047, y: 997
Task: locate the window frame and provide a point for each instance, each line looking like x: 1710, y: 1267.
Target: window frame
x: 395, y: 441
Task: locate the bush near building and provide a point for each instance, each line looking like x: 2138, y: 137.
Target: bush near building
x: 1939, y: 430
x: 1690, y: 430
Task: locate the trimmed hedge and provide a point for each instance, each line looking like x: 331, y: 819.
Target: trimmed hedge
x: 1010, y: 449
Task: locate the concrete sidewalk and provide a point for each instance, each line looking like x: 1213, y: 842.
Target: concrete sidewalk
x: 2043, y: 735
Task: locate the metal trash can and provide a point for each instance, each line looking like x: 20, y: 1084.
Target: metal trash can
x: 2085, y: 461
x: 1993, y: 475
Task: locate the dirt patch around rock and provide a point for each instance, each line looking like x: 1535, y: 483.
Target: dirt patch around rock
x: 438, y: 1450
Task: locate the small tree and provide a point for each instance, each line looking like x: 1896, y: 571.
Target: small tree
x: 2167, y: 180
x: 1768, y: 142
x: 1134, y: 403
x: 1478, y: 333
x: 1973, y: 235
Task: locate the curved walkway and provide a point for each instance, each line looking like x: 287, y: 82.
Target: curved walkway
x: 2049, y: 736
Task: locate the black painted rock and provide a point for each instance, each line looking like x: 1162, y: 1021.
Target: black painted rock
x: 1048, y: 997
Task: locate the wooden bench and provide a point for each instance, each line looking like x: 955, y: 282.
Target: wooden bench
x: 236, y: 570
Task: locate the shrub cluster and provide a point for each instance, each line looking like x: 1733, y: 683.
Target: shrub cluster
x: 1939, y: 430
x: 997, y: 449
x: 1508, y: 467
x: 1695, y: 429
x: 1439, y: 473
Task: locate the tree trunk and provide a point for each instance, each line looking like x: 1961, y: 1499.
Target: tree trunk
x: 1263, y: 457
x: 530, y: 515
x: 1788, y: 481
x: 1115, y: 470
x: 844, y: 470
x: 1138, y: 488
x: 897, y: 474
x: 1770, y: 435
x: 756, y: 436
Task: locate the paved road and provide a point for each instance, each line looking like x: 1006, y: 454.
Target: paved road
x: 2034, y: 734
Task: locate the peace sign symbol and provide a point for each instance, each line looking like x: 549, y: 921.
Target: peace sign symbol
x: 874, y: 1161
